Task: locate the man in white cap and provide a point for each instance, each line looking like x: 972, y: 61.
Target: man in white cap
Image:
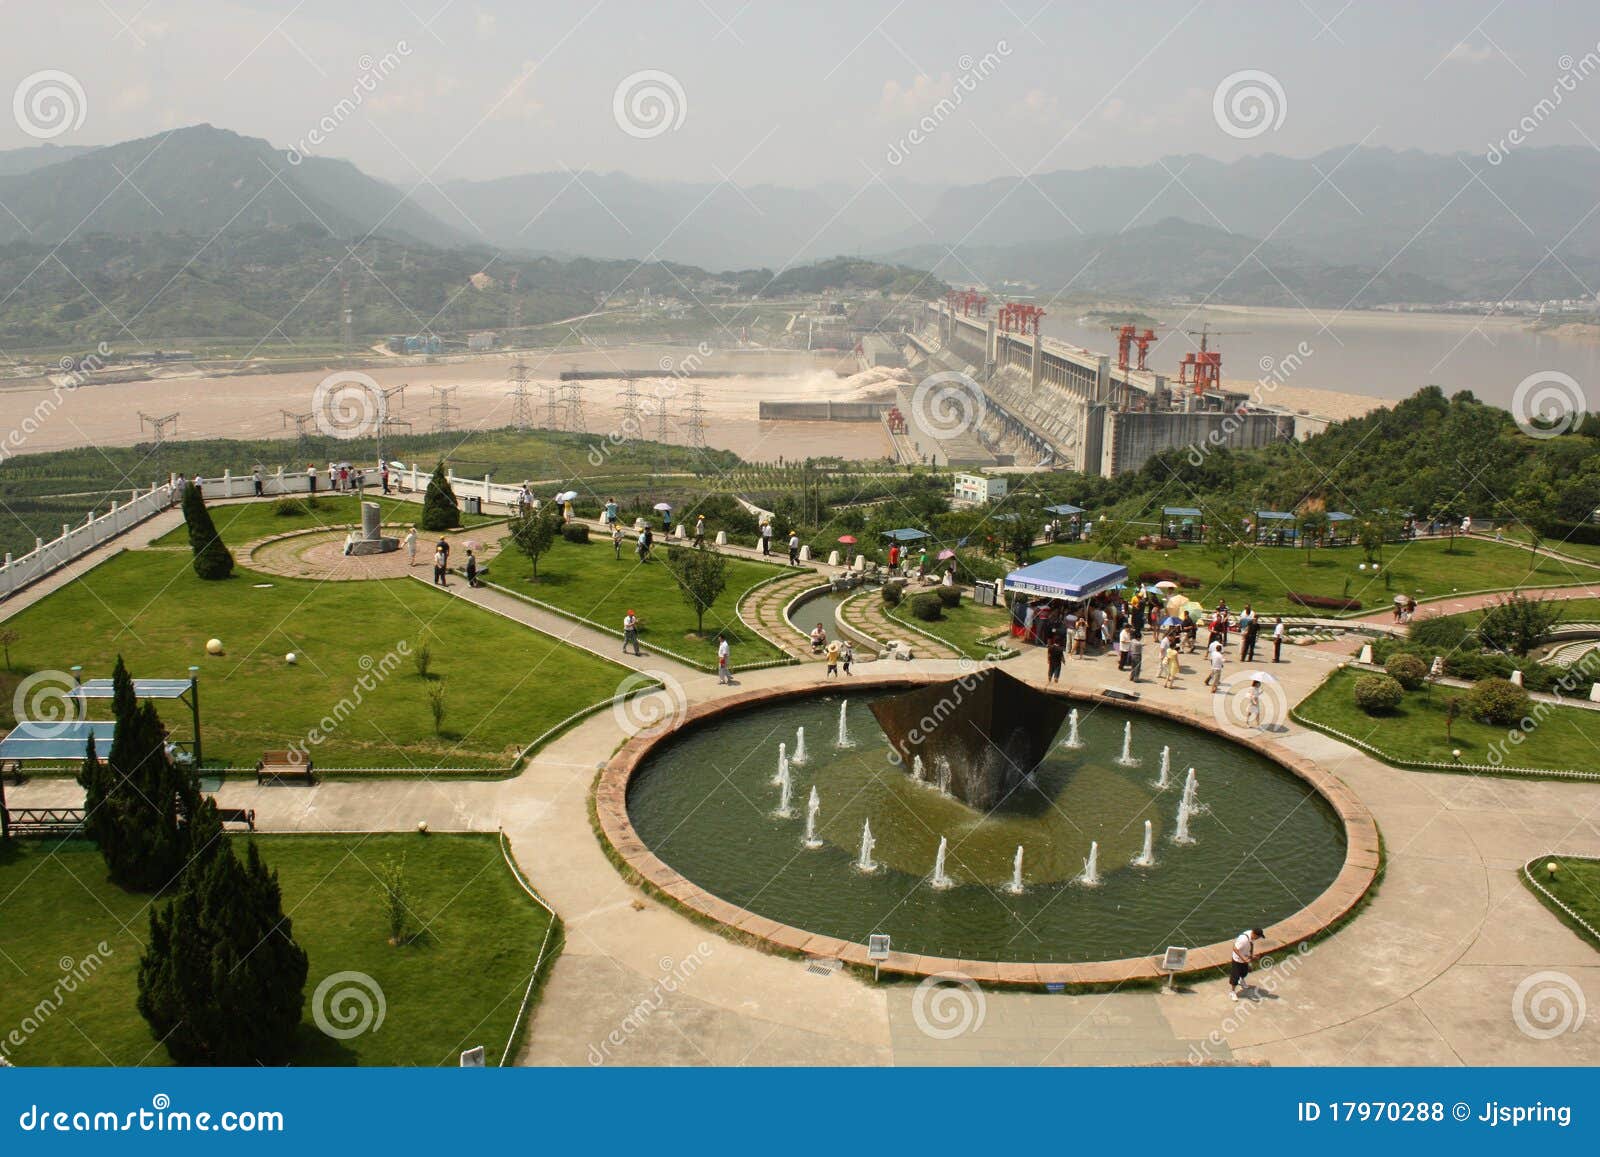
x: 1244, y: 955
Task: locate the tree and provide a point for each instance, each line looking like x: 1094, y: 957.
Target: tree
x: 212, y: 560
x: 1516, y: 624
x: 1227, y: 538
x: 222, y: 981
x: 140, y: 807
x: 1533, y: 505
x: 702, y: 575
x: 1312, y: 527
x: 437, y: 707
x: 533, y: 532
x: 396, y: 907
x: 439, y: 509
x: 8, y: 636
x: 1110, y: 540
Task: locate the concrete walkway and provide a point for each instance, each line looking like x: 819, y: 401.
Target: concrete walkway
x: 1477, y: 602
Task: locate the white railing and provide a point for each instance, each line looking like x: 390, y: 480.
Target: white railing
x: 407, y: 479
x: 77, y: 541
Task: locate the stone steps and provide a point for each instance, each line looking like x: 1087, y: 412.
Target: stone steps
x: 865, y: 613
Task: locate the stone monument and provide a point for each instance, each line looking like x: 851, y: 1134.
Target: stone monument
x: 370, y: 538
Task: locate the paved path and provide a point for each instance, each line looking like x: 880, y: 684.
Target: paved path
x: 764, y: 610
x: 865, y: 612
x: 1477, y: 602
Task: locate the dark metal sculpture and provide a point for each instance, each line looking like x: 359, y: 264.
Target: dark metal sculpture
x: 992, y: 729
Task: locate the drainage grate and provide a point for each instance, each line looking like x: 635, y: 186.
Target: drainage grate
x: 820, y: 966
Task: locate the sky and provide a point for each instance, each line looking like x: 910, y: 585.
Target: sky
x: 798, y: 94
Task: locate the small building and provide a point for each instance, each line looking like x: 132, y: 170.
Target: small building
x: 482, y: 340
x: 979, y: 488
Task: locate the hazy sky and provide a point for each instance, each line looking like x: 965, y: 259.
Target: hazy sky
x: 800, y: 93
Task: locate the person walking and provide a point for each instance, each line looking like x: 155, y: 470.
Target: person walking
x: 642, y: 546
x: 724, y: 675
x: 411, y: 547
x: 616, y: 542
x: 766, y: 540
x: 894, y: 558
x: 1215, y: 657
x: 444, y: 549
x: 1247, y: 648
x: 833, y: 660
x: 700, y: 530
x: 1252, y: 704
x: 1169, y: 664
x: 440, y: 562
x: 472, y: 569
x: 383, y: 477
x: 1053, y: 657
x: 630, y: 632
x: 1277, y: 640
x: 794, y: 548
x: 1124, y: 637
x: 311, y: 477
x: 847, y: 655
x: 1135, y: 657
x: 1243, y: 956
x: 255, y: 478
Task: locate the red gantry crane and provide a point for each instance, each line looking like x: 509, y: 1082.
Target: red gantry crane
x: 1129, y: 339
x: 1017, y: 318
x: 1202, y: 369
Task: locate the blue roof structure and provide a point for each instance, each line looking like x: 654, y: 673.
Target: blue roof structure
x: 34, y: 741
x: 1064, y: 509
x: 1066, y: 578
x: 1275, y: 516
x: 1340, y: 516
x: 906, y: 534
x: 142, y: 688
x: 1181, y: 511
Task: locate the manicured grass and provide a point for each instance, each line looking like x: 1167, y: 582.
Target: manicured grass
x: 1577, y: 885
x: 1423, y: 569
x: 458, y: 985
x: 1564, y: 738
x: 964, y: 627
x: 243, y: 522
x: 507, y: 684
x: 1580, y: 550
x: 589, y: 581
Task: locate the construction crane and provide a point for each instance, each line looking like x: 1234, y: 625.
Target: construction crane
x: 1017, y: 318
x: 1130, y: 339
x: 1202, y: 369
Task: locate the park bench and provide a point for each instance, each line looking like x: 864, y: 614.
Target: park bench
x: 238, y: 815
x: 282, y: 765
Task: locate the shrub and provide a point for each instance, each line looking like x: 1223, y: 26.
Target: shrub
x: 1407, y: 670
x: 212, y: 560
x: 1440, y: 634
x: 575, y: 532
x: 1497, y: 701
x: 928, y: 608
x: 1378, y: 694
x: 1323, y: 602
x: 949, y: 596
x: 1155, y: 542
x: 290, y: 508
x: 439, y: 509
x: 892, y: 595
x: 1151, y: 577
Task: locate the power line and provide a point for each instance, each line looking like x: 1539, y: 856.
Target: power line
x: 521, y: 399
x: 444, y: 408
x: 159, y: 424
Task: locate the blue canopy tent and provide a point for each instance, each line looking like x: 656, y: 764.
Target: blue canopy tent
x: 1064, y: 510
x: 50, y: 741
x: 1189, y: 515
x: 1337, y: 519
x: 1340, y: 516
x: 1181, y: 512
x: 906, y: 534
x: 1066, y: 578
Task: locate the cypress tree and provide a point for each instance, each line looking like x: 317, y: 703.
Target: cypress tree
x: 212, y: 559
x: 222, y: 981
x: 139, y: 806
x: 439, y: 510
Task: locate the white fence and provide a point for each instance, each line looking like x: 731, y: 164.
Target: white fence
x: 407, y: 479
x: 77, y: 541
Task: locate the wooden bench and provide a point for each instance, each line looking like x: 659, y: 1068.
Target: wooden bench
x: 281, y: 765
x: 238, y: 815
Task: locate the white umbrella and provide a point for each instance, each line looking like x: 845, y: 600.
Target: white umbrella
x: 566, y: 496
x: 397, y: 465
x: 1166, y: 585
x: 1402, y: 599
x: 1259, y: 677
x: 663, y: 506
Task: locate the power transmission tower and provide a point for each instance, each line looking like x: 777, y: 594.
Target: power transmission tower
x: 628, y: 419
x: 521, y: 399
x: 576, y: 422
x: 444, y: 408
x: 697, y: 417
x: 552, y: 406
x: 661, y: 416
x: 301, y: 424
x: 514, y: 313
x: 346, y: 316
x: 158, y: 424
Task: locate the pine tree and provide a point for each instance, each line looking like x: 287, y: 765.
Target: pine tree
x: 222, y: 981
x: 138, y: 804
x: 439, y: 510
x: 212, y: 559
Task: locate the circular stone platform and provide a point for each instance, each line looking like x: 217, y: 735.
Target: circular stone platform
x: 319, y: 554
x: 1355, y: 877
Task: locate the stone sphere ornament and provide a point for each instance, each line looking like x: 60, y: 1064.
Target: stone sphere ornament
x: 213, y: 646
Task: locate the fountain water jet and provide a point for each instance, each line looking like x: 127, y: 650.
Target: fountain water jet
x: 939, y: 879
x: 1015, y: 887
x: 786, y: 791
x: 1186, y: 808
x: 799, y: 747
x: 1072, y: 741
x: 1147, y: 857
x: 1164, y: 780
x: 844, y: 728
x: 1091, y: 866
x: 865, y: 861
x: 942, y: 766
x: 918, y: 772
x: 783, y: 764
x: 1127, y: 758
x: 814, y: 805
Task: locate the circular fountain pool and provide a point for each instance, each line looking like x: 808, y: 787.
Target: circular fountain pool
x: 1262, y: 844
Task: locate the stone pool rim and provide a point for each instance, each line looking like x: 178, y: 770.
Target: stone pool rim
x: 1356, y: 876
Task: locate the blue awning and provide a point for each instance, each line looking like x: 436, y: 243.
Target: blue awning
x: 906, y: 534
x: 1341, y: 516
x: 1066, y: 578
x: 1274, y: 516
x: 1065, y: 509
x: 1181, y: 512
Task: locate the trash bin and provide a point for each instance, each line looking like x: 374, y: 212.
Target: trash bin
x: 473, y: 504
x: 985, y: 593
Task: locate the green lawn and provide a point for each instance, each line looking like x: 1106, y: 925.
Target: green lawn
x: 964, y: 627
x: 1577, y: 885
x: 1565, y: 738
x: 243, y: 522
x: 1423, y: 570
x: 458, y: 985
x: 506, y: 684
x: 589, y: 581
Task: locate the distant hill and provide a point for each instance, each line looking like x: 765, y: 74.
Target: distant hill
x: 37, y: 157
